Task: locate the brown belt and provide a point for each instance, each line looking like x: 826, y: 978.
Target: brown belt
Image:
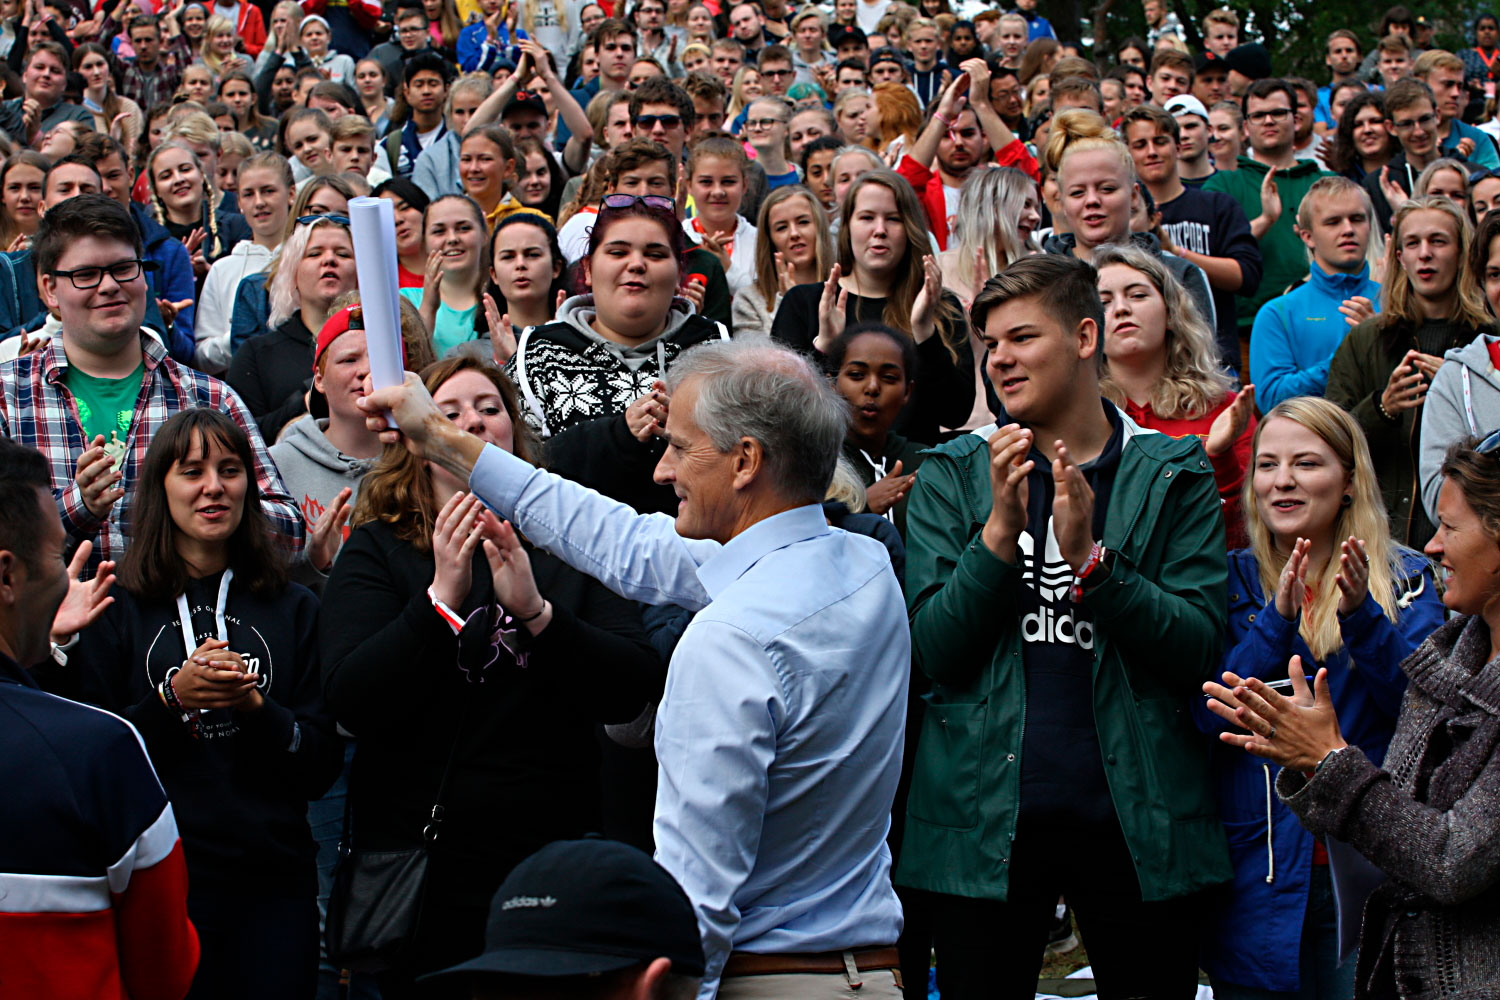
x: 744, y: 963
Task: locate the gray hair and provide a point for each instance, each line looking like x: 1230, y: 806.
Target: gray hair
x: 846, y: 488
x: 775, y: 397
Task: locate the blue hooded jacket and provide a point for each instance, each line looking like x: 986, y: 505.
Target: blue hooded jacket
x: 1253, y: 936
x: 1295, y: 336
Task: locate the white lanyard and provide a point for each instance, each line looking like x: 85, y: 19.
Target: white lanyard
x: 186, y: 616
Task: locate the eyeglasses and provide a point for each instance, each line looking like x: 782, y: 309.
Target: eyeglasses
x: 658, y: 201
x: 1273, y: 114
x: 1426, y: 122
x: 776, y: 73
x: 124, y: 272
x: 648, y: 122
x: 412, y: 29
x: 338, y: 220
x: 762, y: 124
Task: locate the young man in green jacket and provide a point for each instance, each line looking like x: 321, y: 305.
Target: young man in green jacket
x: 1066, y: 584
x: 1269, y: 184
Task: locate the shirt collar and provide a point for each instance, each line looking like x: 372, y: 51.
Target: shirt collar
x: 760, y: 539
x: 55, y: 360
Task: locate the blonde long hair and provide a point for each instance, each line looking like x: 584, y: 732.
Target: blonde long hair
x: 281, y: 288
x: 1400, y: 301
x: 765, y: 252
x: 1363, y: 517
x: 1193, y: 382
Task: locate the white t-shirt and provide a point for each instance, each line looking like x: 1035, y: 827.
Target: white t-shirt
x: 950, y: 206
x: 868, y: 15
x: 741, y: 271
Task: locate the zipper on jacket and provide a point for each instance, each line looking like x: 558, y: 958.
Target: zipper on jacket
x: 963, y: 484
x: 1270, y: 830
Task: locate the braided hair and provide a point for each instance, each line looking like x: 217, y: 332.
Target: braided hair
x: 214, y: 242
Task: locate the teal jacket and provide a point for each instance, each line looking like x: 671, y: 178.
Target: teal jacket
x: 1159, y: 619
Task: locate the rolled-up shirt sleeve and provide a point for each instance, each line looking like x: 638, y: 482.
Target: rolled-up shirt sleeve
x: 715, y: 746
x: 641, y: 557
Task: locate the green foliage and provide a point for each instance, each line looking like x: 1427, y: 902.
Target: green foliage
x: 1293, y: 30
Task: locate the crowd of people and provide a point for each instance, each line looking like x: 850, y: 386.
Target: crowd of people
x: 880, y: 492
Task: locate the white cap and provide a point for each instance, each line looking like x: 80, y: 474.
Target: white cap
x: 1186, y: 104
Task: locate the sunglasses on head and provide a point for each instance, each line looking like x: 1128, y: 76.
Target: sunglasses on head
x: 657, y: 201
x: 338, y: 220
x: 1490, y: 444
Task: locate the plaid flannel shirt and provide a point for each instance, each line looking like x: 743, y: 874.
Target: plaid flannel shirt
x: 36, y: 409
x: 156, y: 87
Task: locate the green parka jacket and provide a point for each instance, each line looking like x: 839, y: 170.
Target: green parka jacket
x: 1159, y: 623
x: 1357, y: 378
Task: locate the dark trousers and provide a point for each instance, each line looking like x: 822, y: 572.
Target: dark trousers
x: 993, y: 950
x: 253, y: 948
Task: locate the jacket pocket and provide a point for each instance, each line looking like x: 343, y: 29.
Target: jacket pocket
x: 1180, y: 758
x: 945, y: 775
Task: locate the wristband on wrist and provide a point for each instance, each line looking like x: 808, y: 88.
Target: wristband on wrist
x: 531, y: 618
x: 446, y: 613
x: 939, y: 116
x: 1384, y: 413
x: 1329, y: 756
x: 168, y: 693
x: 1092, y: 563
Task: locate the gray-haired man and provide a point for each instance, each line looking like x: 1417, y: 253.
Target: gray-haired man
x: 779, y: 735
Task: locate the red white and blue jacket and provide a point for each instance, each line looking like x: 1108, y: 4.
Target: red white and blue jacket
x: 93, y: 886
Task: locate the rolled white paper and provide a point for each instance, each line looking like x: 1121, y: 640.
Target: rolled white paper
x: 372, y: 226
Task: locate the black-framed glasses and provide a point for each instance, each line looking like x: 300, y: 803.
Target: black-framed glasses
x: 648, y: 122
x: 1271, y: 114
x: 124, y: 272
x: 761, y: 124
x: 338, y: 220
x: 1427, y: 121
x: 659, y: 201
x: 777, y: 74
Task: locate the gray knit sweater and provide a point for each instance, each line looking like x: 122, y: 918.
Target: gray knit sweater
x: 1430, y: 821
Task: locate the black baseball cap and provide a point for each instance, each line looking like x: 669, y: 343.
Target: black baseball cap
x: 886, y: 55
x: 847, y: 33
x: 583, y: 907
x: 1210, y: 61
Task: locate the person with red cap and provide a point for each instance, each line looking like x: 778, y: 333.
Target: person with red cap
x: 323, y: 459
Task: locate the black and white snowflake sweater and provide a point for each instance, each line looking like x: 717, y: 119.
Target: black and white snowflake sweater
x: 567, y: 373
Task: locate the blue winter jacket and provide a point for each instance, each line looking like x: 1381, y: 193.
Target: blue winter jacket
x: 251, y: 314
x: 1295, y: 336
x: 174, y: 280
x: 1253, y: 934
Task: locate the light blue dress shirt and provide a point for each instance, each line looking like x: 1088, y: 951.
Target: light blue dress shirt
x: 779, y: 736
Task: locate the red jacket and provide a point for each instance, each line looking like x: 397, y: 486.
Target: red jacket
x: 929, y: 184
x: 251, y: 28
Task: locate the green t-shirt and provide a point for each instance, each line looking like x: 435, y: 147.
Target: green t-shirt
x: 106, y: 405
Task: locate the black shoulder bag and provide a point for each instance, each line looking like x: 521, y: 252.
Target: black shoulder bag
x: 376, y: 901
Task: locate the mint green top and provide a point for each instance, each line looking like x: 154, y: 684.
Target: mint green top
x: 453, y: 326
